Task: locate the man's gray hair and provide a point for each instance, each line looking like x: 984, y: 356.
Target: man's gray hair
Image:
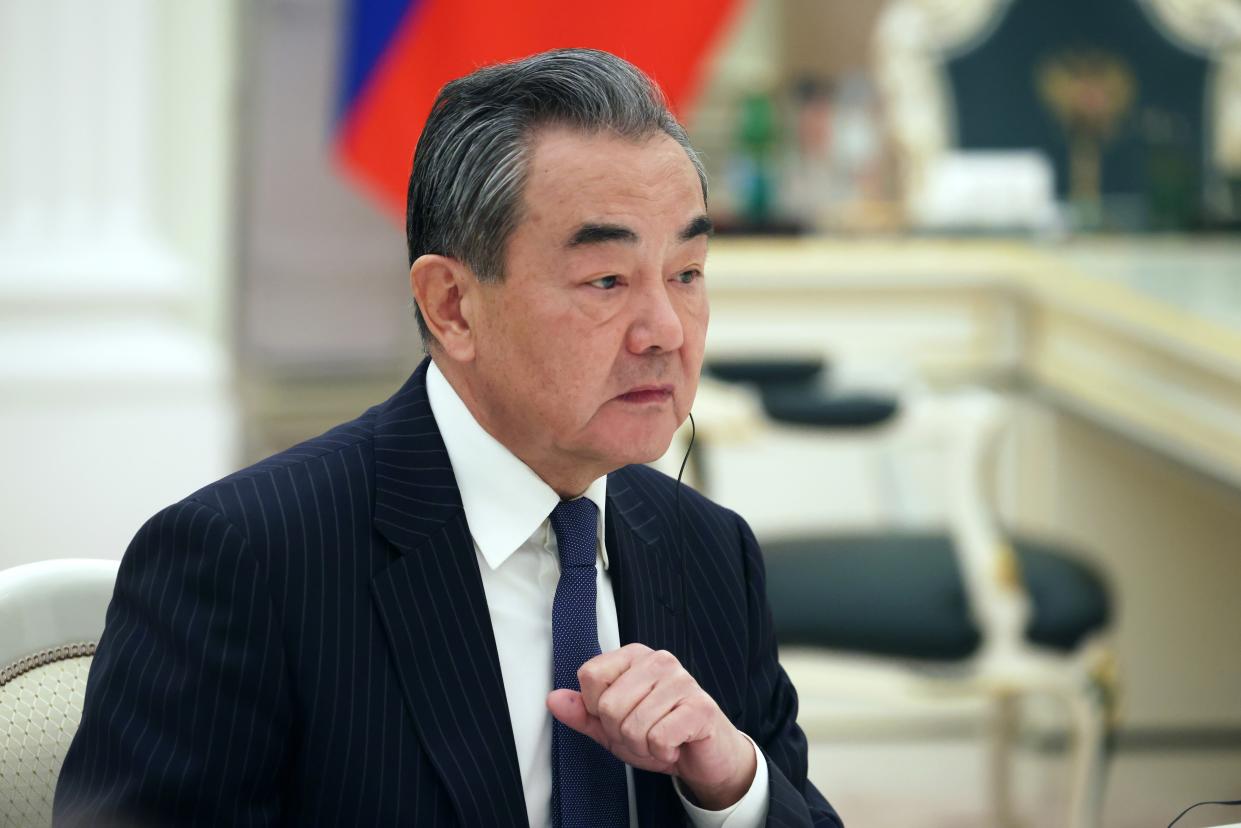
x: 469, y: 169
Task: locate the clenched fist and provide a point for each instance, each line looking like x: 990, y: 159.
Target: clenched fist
x: 645, y: 708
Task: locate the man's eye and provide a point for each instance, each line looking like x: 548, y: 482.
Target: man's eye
x: 605, y: 282
x: 687, y: 277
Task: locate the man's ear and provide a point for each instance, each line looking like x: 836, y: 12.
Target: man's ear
x: 442, y: 287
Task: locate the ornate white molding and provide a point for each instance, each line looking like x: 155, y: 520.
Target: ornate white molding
x: 913, y: 41
x: 1211, y: 28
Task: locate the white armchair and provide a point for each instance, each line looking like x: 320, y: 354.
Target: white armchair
x: 958, y: 613
x: 51, y: 617
x: 1007, y: 665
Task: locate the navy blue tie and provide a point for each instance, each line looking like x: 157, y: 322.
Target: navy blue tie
x: 588, y: 783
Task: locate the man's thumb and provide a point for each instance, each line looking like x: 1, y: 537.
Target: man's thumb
x: 567, y: 706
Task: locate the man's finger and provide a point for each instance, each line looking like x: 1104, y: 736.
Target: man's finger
x: 567, y: 706
x: 656, y: 704
x: 597, y: 674
x: 684, y: 724
x: 647, y: 673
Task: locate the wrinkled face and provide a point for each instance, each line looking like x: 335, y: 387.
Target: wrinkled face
x: 587, y: 354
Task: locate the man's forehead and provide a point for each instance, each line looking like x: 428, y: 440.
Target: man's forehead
x: 551, y: 137
x: 577, y: 160
x: 594, y: 188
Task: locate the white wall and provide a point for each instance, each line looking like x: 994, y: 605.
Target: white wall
x: 116, y: 146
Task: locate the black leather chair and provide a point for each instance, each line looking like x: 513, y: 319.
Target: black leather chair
x: 902, y: 595
x: 793, y: 391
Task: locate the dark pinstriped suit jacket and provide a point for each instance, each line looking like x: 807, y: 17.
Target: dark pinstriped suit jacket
x: 307, y: 642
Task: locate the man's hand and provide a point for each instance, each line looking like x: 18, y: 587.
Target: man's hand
x: 644, y: 707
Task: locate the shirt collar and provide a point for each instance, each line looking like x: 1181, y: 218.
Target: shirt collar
x: 505, y: 501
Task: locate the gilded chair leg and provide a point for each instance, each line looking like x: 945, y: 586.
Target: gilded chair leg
x: 1095, y: 713
x: 1090, y: 746
x: 1004, y: 722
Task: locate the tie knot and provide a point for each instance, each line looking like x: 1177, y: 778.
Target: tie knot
x: 576, y: 525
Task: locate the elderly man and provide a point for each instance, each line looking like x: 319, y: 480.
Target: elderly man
x: 470, y: 606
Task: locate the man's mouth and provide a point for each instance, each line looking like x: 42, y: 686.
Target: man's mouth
x: 647, y: 394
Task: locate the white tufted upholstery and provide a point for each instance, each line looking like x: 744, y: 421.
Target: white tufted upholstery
x: 39, y: 713
x: 51, y: 615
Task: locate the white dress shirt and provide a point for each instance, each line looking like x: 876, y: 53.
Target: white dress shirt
x: 507, y: 507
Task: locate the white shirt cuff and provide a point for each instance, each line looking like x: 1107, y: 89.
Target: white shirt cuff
x: 750, y: 811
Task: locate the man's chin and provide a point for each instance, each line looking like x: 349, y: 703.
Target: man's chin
x: 628, y: 440
x: 641, y: 451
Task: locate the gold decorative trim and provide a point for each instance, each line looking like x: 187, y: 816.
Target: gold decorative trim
x: 44, y: 658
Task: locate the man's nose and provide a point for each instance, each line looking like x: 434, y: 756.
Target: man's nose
x: 656, y: 324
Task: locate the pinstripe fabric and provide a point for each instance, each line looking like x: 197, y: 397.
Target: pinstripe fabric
x: 306, y: 642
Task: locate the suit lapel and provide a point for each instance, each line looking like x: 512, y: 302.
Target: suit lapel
x: 434, y: 611
x: 647, y: 576
x: 646, y: 573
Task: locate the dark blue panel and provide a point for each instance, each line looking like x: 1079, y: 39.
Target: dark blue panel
x: 368, y: 27
x: 998, y: 105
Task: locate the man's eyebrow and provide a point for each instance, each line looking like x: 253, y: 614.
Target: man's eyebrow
x: 600, y: 233
x: 700, y: 226
x: 591, y: 233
